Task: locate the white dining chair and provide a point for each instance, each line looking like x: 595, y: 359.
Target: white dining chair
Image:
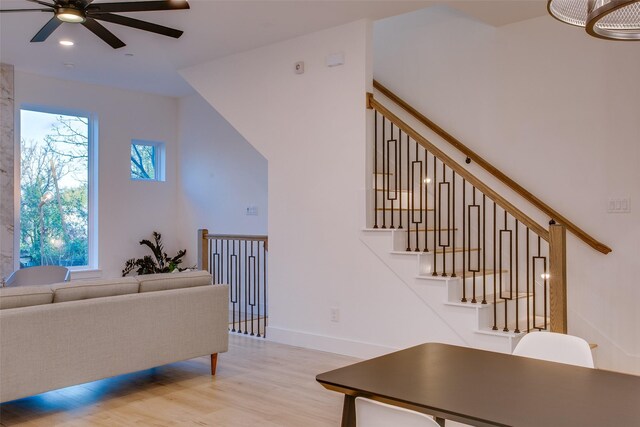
x: 370, y: 413
x: 40, y: 275
x: 555, y: 347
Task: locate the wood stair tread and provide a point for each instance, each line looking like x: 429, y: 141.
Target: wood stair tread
x: 431, y: 251
x: 397, y: 209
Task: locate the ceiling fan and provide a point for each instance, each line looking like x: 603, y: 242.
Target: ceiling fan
x: 88, y: 14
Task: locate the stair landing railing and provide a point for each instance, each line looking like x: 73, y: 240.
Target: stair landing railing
x: 502, y: 255
x: 240, y: 261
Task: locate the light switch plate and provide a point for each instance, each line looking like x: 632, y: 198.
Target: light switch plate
x: 299, y: 67
x: 252, y: 210
x: 619, y: 205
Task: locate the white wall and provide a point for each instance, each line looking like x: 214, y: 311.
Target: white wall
x: 312, y: 130
x: 557, y: 111
x: 128, y: 210
x: 221, y: 175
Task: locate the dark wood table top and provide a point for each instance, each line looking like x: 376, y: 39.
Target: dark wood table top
x: 484, y: 388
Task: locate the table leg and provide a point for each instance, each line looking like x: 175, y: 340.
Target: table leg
x: 349, y: 411
x: 440, y: 421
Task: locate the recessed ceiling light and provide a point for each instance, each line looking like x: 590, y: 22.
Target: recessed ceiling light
x: 69, y: 65
x: 66, y: 42
x: 128, y: 54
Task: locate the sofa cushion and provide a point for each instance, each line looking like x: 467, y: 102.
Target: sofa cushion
x: 164, y: 281
x: 73, y: 291
x: 24, y: 296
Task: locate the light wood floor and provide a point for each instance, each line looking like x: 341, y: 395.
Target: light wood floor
x: 258, y: 383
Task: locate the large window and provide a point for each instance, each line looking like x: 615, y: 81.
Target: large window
x: 56, y: 225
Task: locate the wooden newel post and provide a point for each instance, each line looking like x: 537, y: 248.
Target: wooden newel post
x: 558, y: 277
x: 203, y: 249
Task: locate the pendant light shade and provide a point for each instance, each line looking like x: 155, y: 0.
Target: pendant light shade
x: 606, y: 19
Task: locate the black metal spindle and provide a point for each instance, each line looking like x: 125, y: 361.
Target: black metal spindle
x: 409, y: 200
x: 426, y: 201
x: 375, y: 171
x: 264, y: 277
x: 435, y: 219
x: 464, y: 240
x: 384, y: 174
x: 399, y: 176
x: 476, y: 269
x: 495, y: 291
x: 444, y: 185
x: 484, y: 249
x: 453, y: 229
x: 528, y: 290
x: 390, y: 174
x: 259, y: 288
x: 517, y: 329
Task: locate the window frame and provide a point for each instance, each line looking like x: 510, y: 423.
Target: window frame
x: 159, y: 163
x: 92, y: 180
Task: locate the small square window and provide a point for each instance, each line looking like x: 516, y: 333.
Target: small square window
x: 147, y: 161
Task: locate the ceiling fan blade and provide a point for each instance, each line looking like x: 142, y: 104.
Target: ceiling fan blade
x: 138, y: 6
x: 25, y: 10
x: 43, y: 3
x: 99, y: 30
x: 136, y: 23
x: 46, y: 31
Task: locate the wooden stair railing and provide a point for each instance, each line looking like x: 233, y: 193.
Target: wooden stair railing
x: 241, y: 262
x: 439, y: 204
x: 527, y: 195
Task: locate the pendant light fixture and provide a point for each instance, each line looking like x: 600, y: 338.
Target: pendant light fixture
x: 605, y: 19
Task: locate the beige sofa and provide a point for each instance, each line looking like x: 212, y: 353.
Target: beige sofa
x: 75, y: 332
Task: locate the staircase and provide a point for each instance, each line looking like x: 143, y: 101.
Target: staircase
x: 481, y: 264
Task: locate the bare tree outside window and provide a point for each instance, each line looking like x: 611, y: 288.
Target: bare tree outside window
x: 54, y: 209
x: 143, y: 161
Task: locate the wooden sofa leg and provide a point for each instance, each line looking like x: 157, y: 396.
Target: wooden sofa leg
x: 214, y: 363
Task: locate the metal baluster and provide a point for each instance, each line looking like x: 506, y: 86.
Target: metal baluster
x: 384, y: 174
x: 453, y: 229
x: 388, y: 194
x: 375, y: 171
x: 252, y: 281
x: 246, y: 288
x: 533, y: 284
x: 435, y: 219
x: 475, y: 270
x: 484, y: 249
x: 528, y: 291
x: 426, y: 200
x: 495, y: 290
x: 506, y: 300
x: 441, y: 186
x: 517, y: 329
x: 464, y: 240
x: 414, y: 164
x: 258, y: 293
x: 546, y: 274
x: 264, y: 281
x: 399, y: 175
x: 410, y: 203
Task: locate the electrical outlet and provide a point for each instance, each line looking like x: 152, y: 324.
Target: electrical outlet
x: 335, y: 314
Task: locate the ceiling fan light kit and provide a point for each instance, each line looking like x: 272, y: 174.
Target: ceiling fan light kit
x: 71, y: 15
x: 87, y: 13
x: 604, y: 19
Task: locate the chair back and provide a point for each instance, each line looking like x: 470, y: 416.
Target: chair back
x: 370, y: 413
x: 41, y: 275
x: 555, y: 347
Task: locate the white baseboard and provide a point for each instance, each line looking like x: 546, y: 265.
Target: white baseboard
x: 329, y: 344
